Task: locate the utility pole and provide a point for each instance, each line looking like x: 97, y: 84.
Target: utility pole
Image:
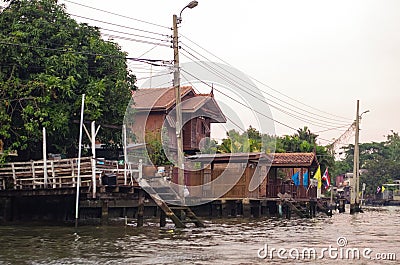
x: 178, y: 109
x: 354, y: 199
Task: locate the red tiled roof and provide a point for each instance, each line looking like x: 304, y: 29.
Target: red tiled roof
x: 163, y: 99
x: 157, y: 98
x: 293, y: 159
x: 279, y: 159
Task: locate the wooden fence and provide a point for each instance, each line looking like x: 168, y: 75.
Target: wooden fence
x: 63, y: 173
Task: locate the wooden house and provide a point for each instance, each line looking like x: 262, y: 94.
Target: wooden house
x: 154, y: 114
x: 273, y: 171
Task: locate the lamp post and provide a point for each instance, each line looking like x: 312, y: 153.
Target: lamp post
x: 178, y: 127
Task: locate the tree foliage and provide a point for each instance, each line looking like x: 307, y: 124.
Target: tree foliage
x: 249, y: 141
x: 47, y: 61
x: 253, y: 141
x: 380, y: 161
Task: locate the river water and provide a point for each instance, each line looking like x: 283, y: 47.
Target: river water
x: 374, y: 233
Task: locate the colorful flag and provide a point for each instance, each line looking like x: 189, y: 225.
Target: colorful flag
x: 383, y: 189
x: 305, y: 179
x: 317, y: 176
x: 296, y: 178
x: 325, y: 179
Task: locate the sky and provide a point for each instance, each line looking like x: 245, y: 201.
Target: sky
x: 316, y: 57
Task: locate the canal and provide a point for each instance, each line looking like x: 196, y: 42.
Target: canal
x: 372, y: 235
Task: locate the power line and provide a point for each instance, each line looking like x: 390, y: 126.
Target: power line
x: 244, y: 105
x: 262, y: 114
x: 277, y: 91
x: 136, y: 35
x: 153, y: 76
x: 263, y: 101
x: 252, y: 85
x: 121, y: 26
x: 149, y: 50
x: 135, y: 40
x: 234, y: 123
x: 119, y: 15
x: 149, y: 61
x: 335, y: 128
x: 191, y: 84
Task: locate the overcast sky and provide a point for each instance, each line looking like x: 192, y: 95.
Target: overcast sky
x: 326, y: 54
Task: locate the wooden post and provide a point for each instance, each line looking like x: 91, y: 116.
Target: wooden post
x: 44, y: 158
x: 225, y: 208
x: 163, y: 218
x: 53, y: 174
x: 256, y: 208
x: 104, y: 212
x: 125, y: 153
x: 140, y: 211
x: 280, y: 210
x: 73, y: 174
x: 14, y: 176
x: 7, y: 210
x: 288, y: 211
x: 313, y: 208
x: 93, y: 139
x: 33, y: 175
x: 140, y: 168
x: 246, y: 208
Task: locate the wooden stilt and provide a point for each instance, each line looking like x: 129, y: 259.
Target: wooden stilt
x: 163, y: 219
x: 104, y: 212
x: 246, y: 208
x: 256, y: 209
x: 140, y: 211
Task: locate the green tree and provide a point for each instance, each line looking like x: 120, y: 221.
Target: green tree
x: 305, y: 141
x: 253, y: 141
x: 155, y: 150
x: 248, y: 141
x: 379, y: 160
x: 47, y: 61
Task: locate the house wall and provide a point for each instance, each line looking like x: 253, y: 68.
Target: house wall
x: 151, y: 125
x: 240, y: 187
x: 193, y: 131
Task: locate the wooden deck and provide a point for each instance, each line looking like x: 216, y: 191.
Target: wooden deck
x: 101, y: 181
x: 63, y: 173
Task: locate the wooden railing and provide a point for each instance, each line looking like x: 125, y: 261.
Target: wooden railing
x: 63, y: 173
x: 299, y: 192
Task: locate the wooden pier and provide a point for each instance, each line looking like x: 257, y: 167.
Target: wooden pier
x: 105, y: 186
x: 46, y: 190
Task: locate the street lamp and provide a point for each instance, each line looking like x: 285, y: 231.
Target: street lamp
x: 191, y: 5
x: 178, y: 108
x: 363, y: 113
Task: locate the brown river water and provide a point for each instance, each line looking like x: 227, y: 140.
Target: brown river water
x: 374, y: 235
